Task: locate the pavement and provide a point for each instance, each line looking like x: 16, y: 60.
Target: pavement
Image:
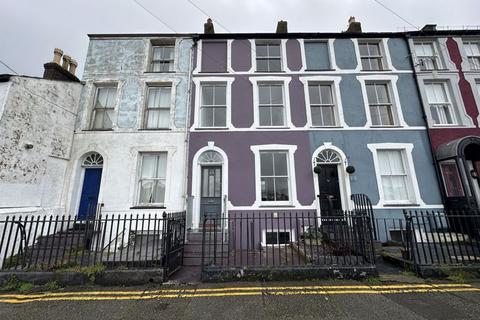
x: 333, y: 299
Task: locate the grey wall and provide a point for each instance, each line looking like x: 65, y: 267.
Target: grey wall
x: 345, y: 53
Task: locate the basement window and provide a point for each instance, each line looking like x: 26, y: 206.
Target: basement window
x: 278, y: 237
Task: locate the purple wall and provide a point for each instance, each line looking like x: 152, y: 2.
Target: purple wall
x: 214, y: 56
x: 298, y: 111
x: 241, y: 55
x: 294, y: 56
x: 241, y: 175
x: 242, y: 102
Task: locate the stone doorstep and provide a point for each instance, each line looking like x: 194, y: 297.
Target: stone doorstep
x: 105, y: 278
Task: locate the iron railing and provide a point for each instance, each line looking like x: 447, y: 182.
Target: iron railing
x: 363, y: 205
x: 49, y: 242
x: 443, y: 238
x: 287, y: 239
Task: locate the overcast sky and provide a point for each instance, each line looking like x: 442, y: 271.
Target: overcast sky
x: 30, y: 29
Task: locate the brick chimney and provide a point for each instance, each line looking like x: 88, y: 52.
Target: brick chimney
x: 354, y: 26
x: 64, y: 72
x: 208, y: 27
x: 282, y: 27
x: 429, y: 27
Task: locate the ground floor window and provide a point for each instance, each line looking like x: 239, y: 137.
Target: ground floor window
x: 152, y: 178
x: 274, y: 175
x: 451, y: 179
x: 277, y: 237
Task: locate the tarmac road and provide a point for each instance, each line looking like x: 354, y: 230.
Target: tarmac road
x: 254, y: 300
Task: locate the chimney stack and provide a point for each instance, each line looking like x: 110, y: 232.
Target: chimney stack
x: 354, y: 26
x: 208, y: 27
x: 64, y: 72
x: 282, y: 27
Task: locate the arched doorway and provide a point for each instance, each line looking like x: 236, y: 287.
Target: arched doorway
x: 211, y: 184
x: 331, y: 182
x: 92, y: 165
x: 459, y: 163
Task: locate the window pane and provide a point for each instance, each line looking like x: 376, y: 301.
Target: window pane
x: 374, y: 49
x: 261, y: 50
x: 164, y: 120
x: 278, y: 116
x: 272, y: 237
x: 283, y: 237
x: 265, y: 116
x: 314, y: 94
x: 146, y: 191
x: 317, y: 116
x: 280, y: 163
x: 363, y: 49
x: 264, y: 94
x: 159, y: 192
x: 277, y: 94
x: 371, y: 94
x: 274, y: 65
x: 206, y: 116
x: 326, y: 94
x: 262, y: 65
x: 149, y: 166
x: 391, y: 162
x: 451, y: 179
x: 274, y: 50
x: 98, y: 120
x: 266, y: 163
x: 164, y: 100
x: 281, y: 189
x: 207, y: 95
x: 220, y: 117
x: 328, y: 116
x: 268, y: 190
x: 220, y: 95
x: 152, y: 119
x: 382, y: 93
x: 102, y: 96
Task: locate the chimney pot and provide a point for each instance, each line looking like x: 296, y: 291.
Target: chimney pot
x: 429, y: 27
x: 208, y: 27
x: 354, y: 26
x: 282, y: 27
x: 66, y: 62
x: 57, y: 55
x: 73, y: 66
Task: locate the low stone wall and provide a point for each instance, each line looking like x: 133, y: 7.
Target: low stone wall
x: 215, y: 274
x: 105, y: 278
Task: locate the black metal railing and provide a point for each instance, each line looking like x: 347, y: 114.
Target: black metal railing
x: 443, y: 238
x: 49, y: 242
x: 287, y: 239
x: 363, y: 205
x: 392, y: 231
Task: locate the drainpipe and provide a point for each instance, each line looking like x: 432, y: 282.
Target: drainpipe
x: 424, y: 116
x: 187, y: 127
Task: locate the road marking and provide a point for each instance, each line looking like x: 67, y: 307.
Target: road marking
x: 237, y: 291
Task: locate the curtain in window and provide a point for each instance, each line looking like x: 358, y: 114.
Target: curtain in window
x: 393, y: 175
x: 158, y: 108
x: 152, y: 180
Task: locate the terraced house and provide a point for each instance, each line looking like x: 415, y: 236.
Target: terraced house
x: 284, y: 123
x: 447, y: 65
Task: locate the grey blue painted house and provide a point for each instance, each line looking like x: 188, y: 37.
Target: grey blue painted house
x: 284, y: 123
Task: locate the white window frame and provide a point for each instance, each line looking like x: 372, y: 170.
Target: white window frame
x: 285, y: 81
x: 386, y: 58
x: 171, y: 108
x: 451, y: 107
x: 474, y: 80
x: 397, y: 112
x: 213, y: 106
x: 264, y: 236
x: 96, y: 88
x: 412, y: 188
x: 198, y: 81
x: 472, y: 41
x: 162, y: 43
x: 436, y: 53
x: 141, y: 154
x: 331, y: 54
x: 283, y: 53
x: 292, y: 187
x: 334, y: 82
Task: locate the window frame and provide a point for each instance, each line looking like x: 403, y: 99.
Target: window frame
x: 139, y: 179
x: 473, y: 66
x: 437, y: 61
x: 383, y: 55
x: 390, y: 105
x: 146, y: 108
x: 284, y: 81
x: 281, y: 57
x: 412, y: 182
x: 446, y: 88
x: 97, y: 88
x: 274, y: 176
x: 292, y: 197
x: 333, y: 105
x: 444, y: 180
x: 214, y: 106
x: 158, y: 44
x: 291, y: 232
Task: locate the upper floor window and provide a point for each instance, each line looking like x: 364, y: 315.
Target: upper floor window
x: 103, y: 109
x: 152, y: 178
x: 322, y: 105
x: 213, y: 108
x: 473, y: 54
x: 427, y: 56
x: 371, y: 56
x: 274, y: 175
x: 269, y: 58
x: 440, y: 104
x: 317, y: 55
x: 162, y: 58
x: 271, y: 105
x: 380, y: 104
x: 157, y: 111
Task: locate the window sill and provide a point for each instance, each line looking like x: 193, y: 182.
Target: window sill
x: 327, y: 127
x: 87, y: 130
x: 154, y: 129
x: 159, y: 72
x: 277, y: 71
x: 401, y: 205
x: 380, y: 70
x: 149, y: 207
x: 278, y: 205
x: 446, y: 125
x: 220, y: 72
x: 211, y: 128
x: 319, y: 70
x: 279, y: 127
x: 394, y: 126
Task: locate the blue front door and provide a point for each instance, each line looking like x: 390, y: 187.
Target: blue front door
x: 89, y: 198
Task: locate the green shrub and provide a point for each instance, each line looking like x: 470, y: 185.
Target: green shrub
x: 52, y: 286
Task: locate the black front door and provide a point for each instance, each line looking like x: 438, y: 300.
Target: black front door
x: 211, y: 192
x: 329, y: 187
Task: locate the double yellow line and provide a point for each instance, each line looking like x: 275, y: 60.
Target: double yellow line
x: 236, y: 291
